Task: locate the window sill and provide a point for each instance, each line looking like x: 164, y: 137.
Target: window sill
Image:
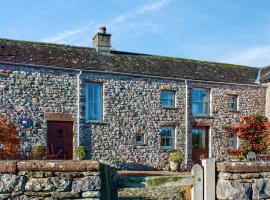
x: 168, y: 150
x: 96, y: 122
x: 141, y: 145
x: 168, y: 108
x: 203, y: 116
x: 234, y: 111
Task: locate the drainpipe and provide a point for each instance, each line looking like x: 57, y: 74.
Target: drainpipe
x: 186, y: 124
x: 78, y: 110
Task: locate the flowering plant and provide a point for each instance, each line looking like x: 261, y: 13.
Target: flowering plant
x: 254, y: 133
x: 9, y: 142
x: 235, y: 151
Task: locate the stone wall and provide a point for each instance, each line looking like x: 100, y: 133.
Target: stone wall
x: 53, y: 180
x: 28, y: 93
x: 131, y: 106
x: 243, y: 180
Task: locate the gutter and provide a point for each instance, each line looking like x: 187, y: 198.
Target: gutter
x: 131, y: 74
x: 78, y: 109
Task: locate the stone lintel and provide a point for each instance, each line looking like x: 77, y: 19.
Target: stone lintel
x: 58, y: 166
x: 243, y: 167
x: 8, y: 166
x: 50, y: 116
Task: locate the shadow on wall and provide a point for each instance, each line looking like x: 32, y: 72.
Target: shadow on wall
x: 133, y: 166
x: 86, y: 140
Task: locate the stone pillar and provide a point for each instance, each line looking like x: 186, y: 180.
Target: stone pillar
x: 209, y: 167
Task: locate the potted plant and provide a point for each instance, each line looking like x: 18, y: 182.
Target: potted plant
x: 81, y: 152
x: 38, y: 152
x: 175, y: 160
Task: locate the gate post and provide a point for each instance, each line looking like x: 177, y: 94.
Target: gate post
x: 209, y: 168
x: 197, y: 188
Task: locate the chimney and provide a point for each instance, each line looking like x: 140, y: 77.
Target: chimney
x: 102, y: 40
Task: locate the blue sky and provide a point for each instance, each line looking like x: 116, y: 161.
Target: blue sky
x: 233, y: 31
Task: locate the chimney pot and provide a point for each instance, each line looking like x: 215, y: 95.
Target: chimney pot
x: 102, y: 29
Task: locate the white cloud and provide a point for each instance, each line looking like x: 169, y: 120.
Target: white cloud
x: 253, y: 56
x: 153, y: 6
x: 79, y: 32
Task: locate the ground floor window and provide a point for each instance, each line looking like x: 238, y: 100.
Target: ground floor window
x: 167, y: 138
x: 233, y: 141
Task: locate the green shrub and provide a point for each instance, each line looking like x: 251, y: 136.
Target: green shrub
x: 175, y: 157
x: 38, y: 152
x: 81, y: 152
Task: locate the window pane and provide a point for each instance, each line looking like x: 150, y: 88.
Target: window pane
x: 232, y: 141
x: 232, y: 102
x: 198, y: 138
x: 167, y: 98
x: 94, y: 102
x: 200, y: 101
x: 167, y: 138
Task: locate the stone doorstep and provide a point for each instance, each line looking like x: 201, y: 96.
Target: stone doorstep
x: 58, y: 166
x: 8, y: 166
x: 243, y: 167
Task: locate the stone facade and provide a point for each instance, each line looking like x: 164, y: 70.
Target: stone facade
x: 251, y: 100
x: 27, y: 93
x: 52, y: 180
x: 131, y: 106
x: 243, y: 180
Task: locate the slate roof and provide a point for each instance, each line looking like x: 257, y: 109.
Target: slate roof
x: 66, y: 56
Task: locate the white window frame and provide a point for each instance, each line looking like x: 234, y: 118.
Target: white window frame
x: 231, y: 96
x: 87, y: 103
x: 236, y: 139
x: 172, y: 138
x: 173, y: 99
x: 204, y: 102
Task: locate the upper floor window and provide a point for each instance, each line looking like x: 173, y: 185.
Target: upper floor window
x: 200, y: 102
x: 167, y: 136
x: 167, y: 98
x: 232, y: 105
x: 94, y: 101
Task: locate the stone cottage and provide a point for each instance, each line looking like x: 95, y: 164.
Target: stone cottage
x: 125, y: 107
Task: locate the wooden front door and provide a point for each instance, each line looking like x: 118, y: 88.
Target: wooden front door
x: 200, y: 144
x: 60, y: 142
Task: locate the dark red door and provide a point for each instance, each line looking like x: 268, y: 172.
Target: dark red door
x: 60, y: 142
x: 199, y: 143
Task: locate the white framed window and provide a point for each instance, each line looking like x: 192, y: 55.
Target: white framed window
x: 94, y: 102
x: 167, y: 98
x: 232, y: 105
x: 200, y: 101
x: 233, y: 141
x: 167, y: 138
